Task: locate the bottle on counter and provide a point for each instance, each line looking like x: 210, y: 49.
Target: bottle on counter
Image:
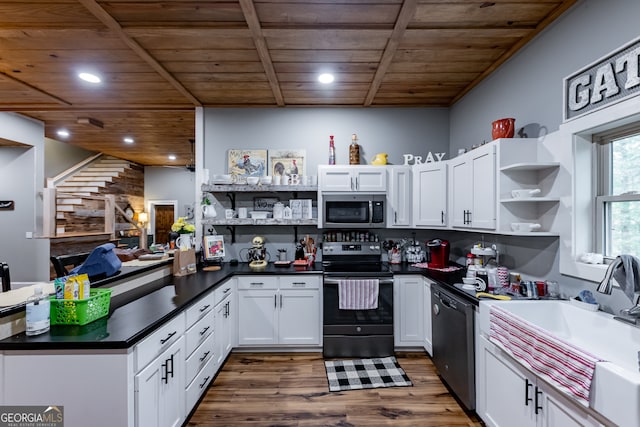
x: 354, y: 151
x: 37, y: 312
x: 332, y: 151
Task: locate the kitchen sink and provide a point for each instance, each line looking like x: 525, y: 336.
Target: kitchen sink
x: 615, y: 389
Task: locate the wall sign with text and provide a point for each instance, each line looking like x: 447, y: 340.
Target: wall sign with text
x: 605, y: 82
x: 411, y: 159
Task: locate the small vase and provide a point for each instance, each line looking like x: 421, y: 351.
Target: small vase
x: 503, y: 128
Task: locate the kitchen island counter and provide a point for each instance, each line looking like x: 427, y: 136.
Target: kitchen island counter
x: 132, y: 317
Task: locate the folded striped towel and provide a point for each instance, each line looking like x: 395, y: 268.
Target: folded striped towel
x: 358, y: 294
x: 568, y: 368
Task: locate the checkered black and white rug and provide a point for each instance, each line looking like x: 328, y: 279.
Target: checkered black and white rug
x: 365, y: 373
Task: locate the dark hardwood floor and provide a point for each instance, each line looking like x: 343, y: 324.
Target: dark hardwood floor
x: 291, y: 389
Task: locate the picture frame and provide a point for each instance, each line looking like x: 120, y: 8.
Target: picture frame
x: 244, y: 163
x: 214, y: 247
x: 287, y: 162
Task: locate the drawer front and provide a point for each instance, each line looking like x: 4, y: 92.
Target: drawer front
x: 199, y: 384
x: 223, y: 291
x: 199, y: 358
x: 157, y: 342
x: 199, y: 332
x: 258, y: 282
x: 300, y: 282
x: 200, y: 309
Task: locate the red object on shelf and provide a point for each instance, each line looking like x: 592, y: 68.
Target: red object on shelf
x: 438, y: 253
x: 503, y: 128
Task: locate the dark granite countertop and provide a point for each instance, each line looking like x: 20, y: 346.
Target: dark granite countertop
x: 130, y: 320
x: 135, y: 315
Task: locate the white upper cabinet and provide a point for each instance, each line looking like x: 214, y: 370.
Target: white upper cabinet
x: 399, y: 197
x: 472, y: 178
x: 356, y: 178
x: 430, y: 195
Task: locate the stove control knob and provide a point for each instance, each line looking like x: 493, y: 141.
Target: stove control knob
x: 328, y: 249
x: 374, y: 247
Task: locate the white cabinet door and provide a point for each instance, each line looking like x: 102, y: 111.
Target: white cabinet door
x: 408, y: 311
x: 257, y: 317
x: 430, y: 195
x: 428, y: 346
x: 483, y: 209
x: 556, y: 411
x: 370, y: 179
x: 357, y: 178
x: 228, y: 327
x: 159, y: 389
x: 472, y: 178
x: 399, y: 197
x: 335, y: 178
x: 461, y: 191
x: 509, y: 392
x: 299, y: 317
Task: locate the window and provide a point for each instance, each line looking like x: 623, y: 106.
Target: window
x: 618, y: 191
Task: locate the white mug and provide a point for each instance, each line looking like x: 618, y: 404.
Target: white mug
x: 304, y: 180
x: 184, y: 242
x: 229, y: 213
x: 285, y: 180
x: 242, y: 212
x: 277, y: 180
x: 209, y: 211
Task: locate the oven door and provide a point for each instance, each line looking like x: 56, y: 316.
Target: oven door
x: 357, y: 333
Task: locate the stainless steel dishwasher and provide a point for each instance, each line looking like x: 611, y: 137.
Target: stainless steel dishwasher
x: 453, y: 343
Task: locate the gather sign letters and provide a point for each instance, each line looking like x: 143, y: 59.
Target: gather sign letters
x: 410, y: 159
x: 609, y: 80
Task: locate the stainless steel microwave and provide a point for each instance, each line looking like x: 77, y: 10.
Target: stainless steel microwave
x: 353, y: 211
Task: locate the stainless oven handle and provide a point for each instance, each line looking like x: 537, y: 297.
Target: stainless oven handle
x: 370, y: 213
x: 328, y: 281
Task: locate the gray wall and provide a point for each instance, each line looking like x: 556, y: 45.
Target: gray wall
x: 529, y: 88
x: 395, y: 131
x: 60, y: 156
x: 21, y: 180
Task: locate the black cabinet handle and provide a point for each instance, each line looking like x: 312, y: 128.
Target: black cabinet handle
x: 204, y: 308
x: 527, y: 399
x: 275, y: 301
x: 441, y: 217
x: 168, y: 337
x: 170, y: 370
x: 226, y: 290
x: 538, y: 406
x: 280, y: 300
x: 204, y: 383
x: 204, y: 331
x: 165, y: 375
x: 204, y: 356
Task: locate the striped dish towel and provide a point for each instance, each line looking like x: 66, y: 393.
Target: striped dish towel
x: 361, y: 294
x: 568, y: 368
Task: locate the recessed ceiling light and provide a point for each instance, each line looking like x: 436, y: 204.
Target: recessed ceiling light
x: 63, y: 133
x: 325, y: 78
x: 172, y: 157
x: 128, y: 140
x: 88, y: 77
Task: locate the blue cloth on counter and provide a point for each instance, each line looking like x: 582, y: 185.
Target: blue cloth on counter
x: 587, y: 296
x: 101, y: 261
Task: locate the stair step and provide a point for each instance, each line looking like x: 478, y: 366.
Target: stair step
x: 106, y: 169
x: 123, y: 163
x: 85, y: 178
x: 71, y: 183
x: 77, y: 190
x: 70, y: 201
x: 93, y: 174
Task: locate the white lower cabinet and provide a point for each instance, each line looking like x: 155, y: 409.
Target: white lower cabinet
x: 428, y: 346
x: 159, y: 389
x: 282, y: 310
x: 225, y: 323
x: 408, y: 311
x: 509, y: 395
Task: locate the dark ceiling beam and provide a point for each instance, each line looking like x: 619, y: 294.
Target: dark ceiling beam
x: 114, y: 26
x: 251, y: 16
x: 407, y: 12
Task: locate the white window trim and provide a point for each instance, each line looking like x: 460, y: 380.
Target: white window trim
x: 577, y: 137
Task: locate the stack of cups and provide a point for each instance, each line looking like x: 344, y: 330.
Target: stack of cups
x: 503, y: 277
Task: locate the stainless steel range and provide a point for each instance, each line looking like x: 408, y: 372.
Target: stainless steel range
x: 356, y: 332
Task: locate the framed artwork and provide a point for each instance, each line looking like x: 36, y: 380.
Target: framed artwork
x: 244, y: 163
x: 287, y: 162
x: 214, y: 247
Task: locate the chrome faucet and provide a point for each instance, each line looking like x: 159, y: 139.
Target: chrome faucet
x: 625, y: 269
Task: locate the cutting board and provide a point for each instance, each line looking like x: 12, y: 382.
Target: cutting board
x: 20, y: 295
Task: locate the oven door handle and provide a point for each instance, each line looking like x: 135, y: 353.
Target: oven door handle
x: 328, y: 281
x: 370, y: 213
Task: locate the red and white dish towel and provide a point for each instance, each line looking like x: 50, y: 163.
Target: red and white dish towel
x: 568, y: 368
x: 360, y: 294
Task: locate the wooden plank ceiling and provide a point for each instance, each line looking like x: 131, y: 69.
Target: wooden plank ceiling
x: 160, y: 59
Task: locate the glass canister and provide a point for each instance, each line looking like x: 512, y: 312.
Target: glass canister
x: 278, y: 210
